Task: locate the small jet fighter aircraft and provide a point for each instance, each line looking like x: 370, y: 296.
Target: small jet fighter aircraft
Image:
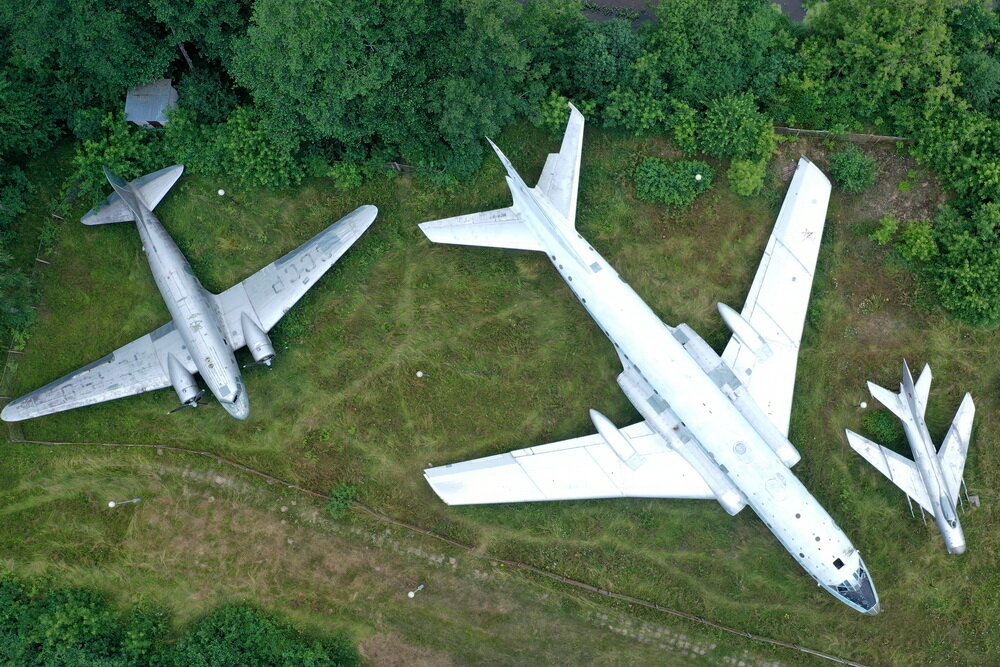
x: 934, y: 477
x: 207, y: 328
x: 713, y: 427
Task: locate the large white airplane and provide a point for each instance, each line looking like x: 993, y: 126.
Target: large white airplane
x: 206, y: 328
x: 932, y: 478
x: 713, y: 427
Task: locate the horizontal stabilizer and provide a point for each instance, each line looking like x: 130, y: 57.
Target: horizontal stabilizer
x: 901, y: 471
x: 889, y: 400
x: 151, y: 188
x: 502, y: 228
x: 560, y: 177
x: 956, y: 446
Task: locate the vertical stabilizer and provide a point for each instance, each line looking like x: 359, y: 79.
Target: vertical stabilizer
x: 922, y: 388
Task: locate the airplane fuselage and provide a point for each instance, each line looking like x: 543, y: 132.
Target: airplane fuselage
x: 195, y: 314
x: 933, y: 477
x: 722, y: 433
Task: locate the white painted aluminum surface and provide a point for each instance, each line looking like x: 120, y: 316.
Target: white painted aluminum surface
x: 684, y: 380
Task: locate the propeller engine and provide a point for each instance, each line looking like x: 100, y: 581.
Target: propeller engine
x: 257, y: 342
x: 184, y: 384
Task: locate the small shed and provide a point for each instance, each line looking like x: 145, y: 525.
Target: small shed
x: 147, y: 105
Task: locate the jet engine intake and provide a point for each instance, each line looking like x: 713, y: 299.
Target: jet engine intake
x: 257, y: 341
x: 183, y: 381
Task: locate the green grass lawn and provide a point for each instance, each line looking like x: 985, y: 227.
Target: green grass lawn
x: 511, y: 361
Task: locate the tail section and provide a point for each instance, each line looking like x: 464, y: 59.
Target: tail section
x: 920, y: 389
x: 889, y: 400
x: 956, y: 446
x: 124, y: 202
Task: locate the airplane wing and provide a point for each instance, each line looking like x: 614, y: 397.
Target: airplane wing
x: 901, y: 471
x: 579, y: 468
x: 561, y: 174
x: 501, y: 228
x: 956, y: 446
x: 135, y: 368
x: 778, y: 299
x: 271, y: 292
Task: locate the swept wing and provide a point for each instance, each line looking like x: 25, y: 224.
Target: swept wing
x: 901, y: 471
x: 779, y: 296
x: 585, y: 467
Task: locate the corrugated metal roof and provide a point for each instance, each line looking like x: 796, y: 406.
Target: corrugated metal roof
x: 150, y: 102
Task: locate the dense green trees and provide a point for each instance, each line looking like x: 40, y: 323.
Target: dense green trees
x: 79, y: 627
x: 272, y: 91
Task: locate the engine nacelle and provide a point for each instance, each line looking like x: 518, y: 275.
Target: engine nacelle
x: 183, y: 381
x: 745, y: 332
x: 616, y: 440
x: 257, y: 341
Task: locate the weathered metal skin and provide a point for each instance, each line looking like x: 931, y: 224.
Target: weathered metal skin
x: 191, y: 306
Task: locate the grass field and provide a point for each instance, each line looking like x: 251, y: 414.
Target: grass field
x: 510, y: 360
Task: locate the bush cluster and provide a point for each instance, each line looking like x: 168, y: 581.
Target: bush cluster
x: 851, y: 169
x: 675, y: 184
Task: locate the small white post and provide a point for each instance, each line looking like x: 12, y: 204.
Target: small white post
x: 414, y: 592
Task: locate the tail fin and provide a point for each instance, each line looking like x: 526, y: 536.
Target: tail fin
x: 122, y: 205
x: 919, y: 389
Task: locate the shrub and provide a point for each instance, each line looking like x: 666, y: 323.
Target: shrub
x: 341, y: 499
x: 917, y: 243
x: 672, y: 183
x: 852, y: 170
x: 14, y: 192
x: 886, y: 230
x: 883, y: 427
x: 683, y: 122
x: 733, y: 127
x: 746, y: 177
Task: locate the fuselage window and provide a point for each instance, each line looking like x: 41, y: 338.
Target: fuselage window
x: 838, y: 563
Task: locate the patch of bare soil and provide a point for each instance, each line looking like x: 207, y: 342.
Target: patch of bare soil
x: 391, y: 650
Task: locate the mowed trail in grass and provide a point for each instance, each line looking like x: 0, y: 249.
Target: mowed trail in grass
x: 511, y: 360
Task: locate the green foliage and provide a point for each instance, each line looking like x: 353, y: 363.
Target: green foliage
x: 16, y: 297
x: 851, y: 169
x: 25, y: 125
x: 980, y: 74
x: 966, y: 274
x: 241, y: 635
x: 79, y: 627
x: 84, y: 53
x: 682, y: 120
x: 733, y: 127
x: 917, y: 242
x: 207, y: 94
x: 14, y: 192
x: 746, y: 177
x: 424, y: 81
x: 126, y: 149
x: 555, y: 113
x: 865, y: 61
x: 698, y: 51
x: 888, y: 225
x: 883, y: 427
x: 600, y: 58
x: 258, y: 153
x: 341, y: 499
x: 674, y: 184
x: 210, y: 25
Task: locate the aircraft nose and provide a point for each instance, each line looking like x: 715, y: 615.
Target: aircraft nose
x: 957, y: 549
